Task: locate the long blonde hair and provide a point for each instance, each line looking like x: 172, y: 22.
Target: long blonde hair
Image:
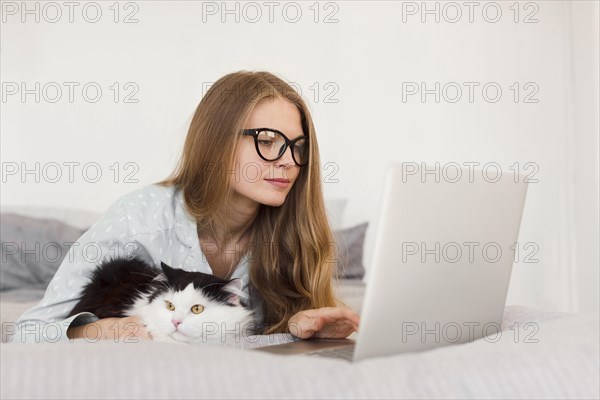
x: 294, y: 255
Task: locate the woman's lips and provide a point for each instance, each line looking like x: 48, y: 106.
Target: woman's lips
x: 280, y: 183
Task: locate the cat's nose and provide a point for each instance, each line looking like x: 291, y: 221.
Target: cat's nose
x: 175, y: 322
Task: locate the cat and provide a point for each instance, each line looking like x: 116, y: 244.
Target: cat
x: 174, y: 304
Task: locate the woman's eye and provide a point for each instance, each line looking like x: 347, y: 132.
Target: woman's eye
x: 169, y: 305
x: 265, y: 142
x: 197, y: 309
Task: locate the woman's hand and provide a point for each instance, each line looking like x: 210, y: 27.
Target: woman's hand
x: 327, y: 322
x: 127, y: 329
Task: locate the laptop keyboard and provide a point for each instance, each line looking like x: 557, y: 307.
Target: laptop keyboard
x: 343, y: 352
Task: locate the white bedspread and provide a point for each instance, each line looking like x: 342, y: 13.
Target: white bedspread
x: 563, y: 364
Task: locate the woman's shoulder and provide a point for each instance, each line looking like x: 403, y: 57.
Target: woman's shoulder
x: 152, y: 206
x: 148, y: 195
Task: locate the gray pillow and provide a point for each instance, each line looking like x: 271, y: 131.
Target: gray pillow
x: 350, y: 243
x: 32, y: 250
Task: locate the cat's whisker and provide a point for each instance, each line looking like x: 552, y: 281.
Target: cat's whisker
x: 144, y: 274
x: 210, y: 284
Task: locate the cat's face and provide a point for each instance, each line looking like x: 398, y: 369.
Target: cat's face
x: 191, y: 316
x: 193, y: 307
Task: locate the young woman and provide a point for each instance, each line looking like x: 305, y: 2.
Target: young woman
x: 245, y: 201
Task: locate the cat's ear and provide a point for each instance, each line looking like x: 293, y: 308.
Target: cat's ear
x: 234, y: 287
x: 166, y: 269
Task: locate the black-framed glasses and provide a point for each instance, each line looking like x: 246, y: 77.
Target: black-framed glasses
x: 271, y: 144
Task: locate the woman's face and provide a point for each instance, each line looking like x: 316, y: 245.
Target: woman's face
x: 251, y: 171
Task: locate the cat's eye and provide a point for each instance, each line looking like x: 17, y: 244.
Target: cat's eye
x: 197, y: 309
x: 169, y: 305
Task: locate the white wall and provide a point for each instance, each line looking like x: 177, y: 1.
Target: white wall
x: 583, y: 151
x: 361, y: 61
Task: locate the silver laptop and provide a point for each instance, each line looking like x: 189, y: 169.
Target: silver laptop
x: 442, y: 263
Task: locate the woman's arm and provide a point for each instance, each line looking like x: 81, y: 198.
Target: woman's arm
x: 117, y: 329
x: 327, y: 322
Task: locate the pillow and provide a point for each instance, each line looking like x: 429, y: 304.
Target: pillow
x: 78, y: 218
x: 335, y: 211
x: 32, y: 250
x: 350, y: 243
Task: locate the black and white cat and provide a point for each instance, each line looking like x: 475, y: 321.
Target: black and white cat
x: 174, y: 304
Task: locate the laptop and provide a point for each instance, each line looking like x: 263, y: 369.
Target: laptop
x: 442, y: 262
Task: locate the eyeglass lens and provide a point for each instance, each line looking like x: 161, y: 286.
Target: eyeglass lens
x: 271, y: 145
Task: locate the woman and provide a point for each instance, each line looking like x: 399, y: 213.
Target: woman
x: 247, y: 198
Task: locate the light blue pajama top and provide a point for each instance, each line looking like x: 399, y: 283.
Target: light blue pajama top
x: 153, y: 222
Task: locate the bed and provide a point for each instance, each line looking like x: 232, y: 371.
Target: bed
x: 562, y: 364
x: 560, y: 361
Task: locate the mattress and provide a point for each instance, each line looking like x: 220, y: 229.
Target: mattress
x: 563, y: 362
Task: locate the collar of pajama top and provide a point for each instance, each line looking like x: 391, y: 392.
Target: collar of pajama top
x: 186, y: 231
